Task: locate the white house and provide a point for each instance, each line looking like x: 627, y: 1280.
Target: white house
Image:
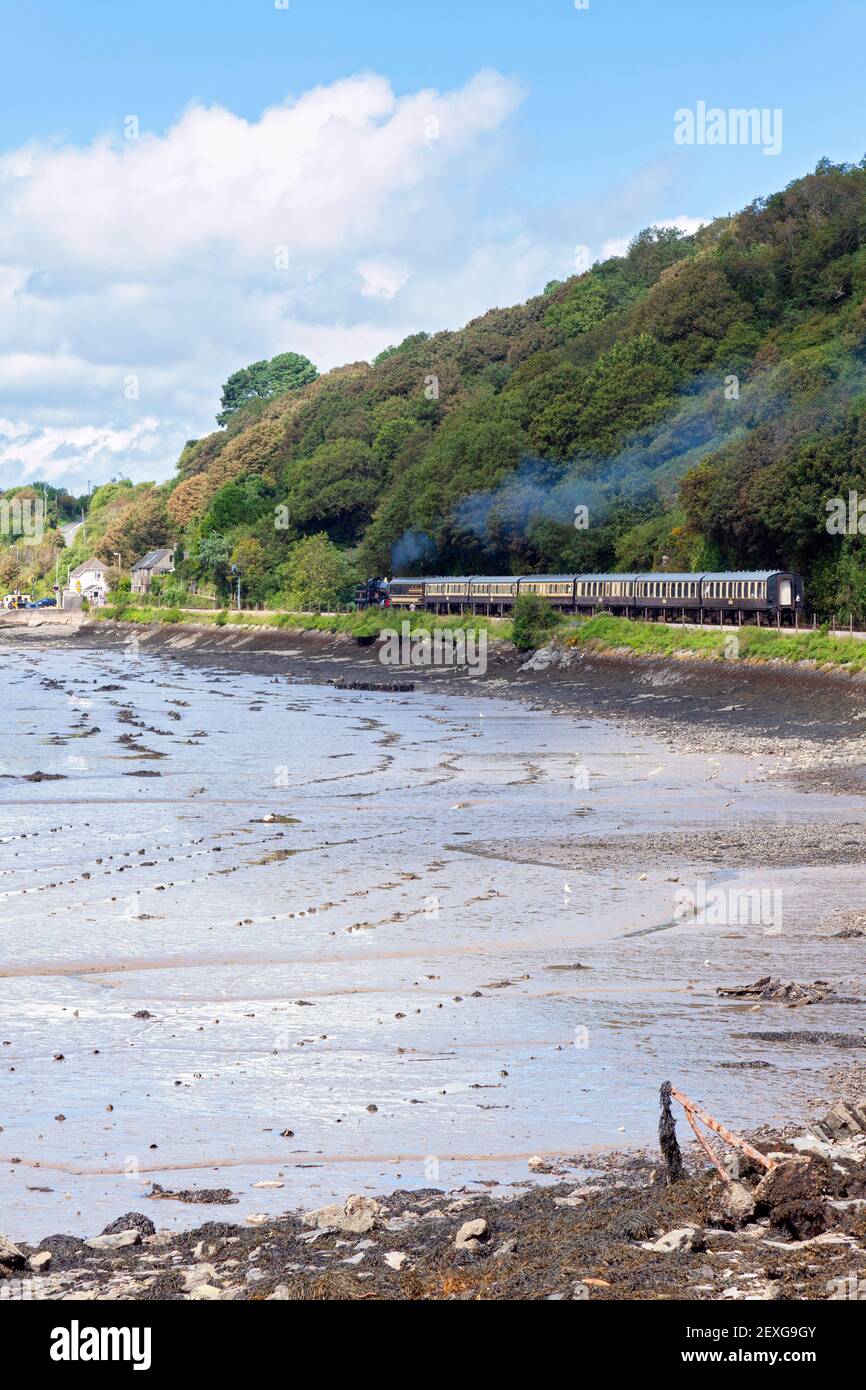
x: 88, y: 581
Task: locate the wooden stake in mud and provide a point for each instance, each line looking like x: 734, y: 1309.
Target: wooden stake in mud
x: 668, y: 1138
x: 695, y: 1113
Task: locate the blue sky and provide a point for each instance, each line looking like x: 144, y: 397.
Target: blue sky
x: 567, y: 140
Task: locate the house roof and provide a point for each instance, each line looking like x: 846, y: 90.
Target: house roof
x: 88, y: 566
x: 152, y: 559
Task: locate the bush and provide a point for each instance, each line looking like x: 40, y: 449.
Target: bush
x: 534, y: 620
x: 171, y: 615
x: 221, y: 618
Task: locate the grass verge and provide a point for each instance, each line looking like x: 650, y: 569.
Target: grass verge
x: 717, y: 644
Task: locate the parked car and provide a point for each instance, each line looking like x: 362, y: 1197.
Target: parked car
x: 45, y: 603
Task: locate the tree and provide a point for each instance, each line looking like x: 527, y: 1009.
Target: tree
x: 248, y: 557
x: 143, y: 525
x: 336, y: 487
x: 319, y: 574
x: 533, y: 621
x: 212, y: 558
x: 263, y: 380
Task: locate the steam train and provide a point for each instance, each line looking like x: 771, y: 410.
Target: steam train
x: 772, y: 596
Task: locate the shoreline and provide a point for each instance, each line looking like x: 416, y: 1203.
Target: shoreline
x: 615, y: 1230
x: 690, y: 705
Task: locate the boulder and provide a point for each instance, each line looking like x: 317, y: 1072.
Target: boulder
x: 734, y: 1206
x: 357, y: 1216
x: 792, y: 1196
x: 132, y: 1221
x: 117, y: 1240
x: 10, y: 1255
x: 472, y: 1235
x: 688, y: 1238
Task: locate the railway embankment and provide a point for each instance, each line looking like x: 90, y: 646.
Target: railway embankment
x: 815, y: 648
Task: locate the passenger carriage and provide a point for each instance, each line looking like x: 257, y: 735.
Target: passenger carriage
x: 771, y: 596
x: 407, y: 593
x: 774, y: 594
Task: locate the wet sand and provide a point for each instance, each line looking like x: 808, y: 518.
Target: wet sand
x: 349, y: 938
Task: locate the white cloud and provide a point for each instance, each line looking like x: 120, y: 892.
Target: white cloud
x: 382, y: 281
x: 334, y: 224
x: 164, y: 258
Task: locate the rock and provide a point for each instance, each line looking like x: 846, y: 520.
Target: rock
x: 40, y: 1261
x: 843, y: 1121
x: 689, y: 1238
x: 358, y: 1216
x: 10, y: 1255
x: 791, y: 1195
x: 118, y: 1240
x: 395, y: 1259
x: 507, y: 1247
x: 536, y: 1164
x: 736, y: 1204
x: 203, y: 1292
x: 132, y: 1221
x: 472, y: 1235
x: 279, y: 1295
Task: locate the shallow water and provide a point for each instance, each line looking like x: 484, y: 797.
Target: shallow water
x: 301, y: 971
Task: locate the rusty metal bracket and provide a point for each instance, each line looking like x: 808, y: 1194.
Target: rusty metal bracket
x: 695, y: 1113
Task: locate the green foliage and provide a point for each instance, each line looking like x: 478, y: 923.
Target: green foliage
x: 242, y: 501
x: 533, y: 621
x: 318, y: 575
x: 213, y: 558
x: 261, y: 381
x: 586, y: 304
x: 336, y: 487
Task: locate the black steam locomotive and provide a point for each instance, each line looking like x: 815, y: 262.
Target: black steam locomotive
x: 374, y: 594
